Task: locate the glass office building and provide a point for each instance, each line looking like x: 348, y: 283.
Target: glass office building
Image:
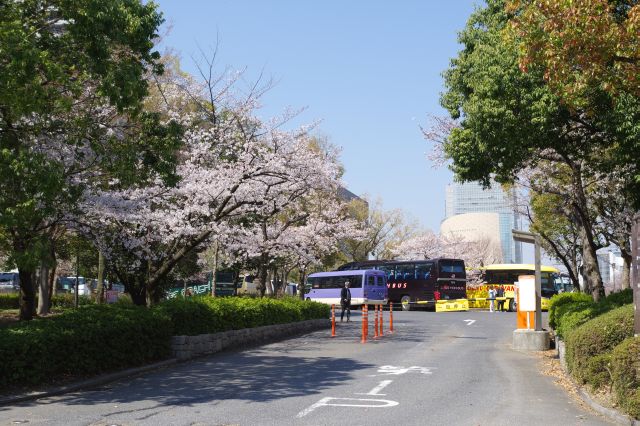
x: 472, y: 198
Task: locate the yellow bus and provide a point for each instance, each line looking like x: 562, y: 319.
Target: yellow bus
x: 505, y: 276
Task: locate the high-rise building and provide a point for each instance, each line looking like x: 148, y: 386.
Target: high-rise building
x: 464, y: 201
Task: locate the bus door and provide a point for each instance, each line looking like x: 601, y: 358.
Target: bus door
x: 375, y: 287
x: 406, y: 285
x: 425, y: 280
x: 452, y: 279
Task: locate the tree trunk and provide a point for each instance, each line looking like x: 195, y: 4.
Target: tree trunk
x: 138, y: 296
x: 262, y: 287
x: 303, y: 275
x: 27, y: 294
x: 43, y: 290
x: 591, y: 271
x: 100, y: 285
x: 52, y: 282
x: 52, y: 272
x: 626, y: 270
x: 214, y: 281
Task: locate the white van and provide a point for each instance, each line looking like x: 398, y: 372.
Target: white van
x: 248, y: 285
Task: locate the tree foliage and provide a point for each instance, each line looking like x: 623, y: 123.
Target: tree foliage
x: 72, y: 75
x: 583, y: 45
x: 510, y: 121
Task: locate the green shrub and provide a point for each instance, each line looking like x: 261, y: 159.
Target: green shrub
x: 619, y: 298
x: 82, y: 342
x: 573, y: 309
x: 67, y: 301
x: 58, y: 302
x: 589, y: 344
x: 201, y: 315
x: 9, y: 301
x: 570, y: 316
x: 625, y: 371
x: 562, y: 300
x: 598, y: 371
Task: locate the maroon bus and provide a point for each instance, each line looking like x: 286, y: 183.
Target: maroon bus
x: 419, y: 282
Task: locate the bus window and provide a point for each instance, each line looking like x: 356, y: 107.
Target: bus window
x: 371, y: 281
x: 423, y: 270
x: 355, y: 281
x: 380, y: 281
x: 406, y: 271
x: 389, y: 270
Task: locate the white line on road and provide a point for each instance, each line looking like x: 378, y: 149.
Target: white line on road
x: 469, y: 322
x: 385, y: 403
x: 378, y: 388
x: 397, y: 370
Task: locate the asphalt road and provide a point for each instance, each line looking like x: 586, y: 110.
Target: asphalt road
x: 437, y: 368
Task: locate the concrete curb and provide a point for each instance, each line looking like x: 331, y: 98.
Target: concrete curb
x: 611, y: 413
x: 185, y: 348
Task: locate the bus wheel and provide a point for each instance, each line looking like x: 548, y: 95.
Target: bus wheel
x: 512, y: 305
x: 406, y: 306
x: 308, y: 298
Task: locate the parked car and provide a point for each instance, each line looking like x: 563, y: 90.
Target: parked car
x: 9, y: 282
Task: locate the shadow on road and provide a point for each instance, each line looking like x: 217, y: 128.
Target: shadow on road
x: 232, y: 376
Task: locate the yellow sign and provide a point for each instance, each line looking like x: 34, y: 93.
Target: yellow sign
x: 452, y: 305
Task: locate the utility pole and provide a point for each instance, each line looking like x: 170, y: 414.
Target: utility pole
x: 75, y: 295
x: 635, y: 272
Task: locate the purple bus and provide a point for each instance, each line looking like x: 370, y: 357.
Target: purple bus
x: 367, y: 287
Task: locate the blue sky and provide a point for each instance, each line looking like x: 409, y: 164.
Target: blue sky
x: 369, y: 70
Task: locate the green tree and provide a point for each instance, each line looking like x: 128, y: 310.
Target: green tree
x: 511, y: 120
x: 583, y: 45
x: 70, y: 72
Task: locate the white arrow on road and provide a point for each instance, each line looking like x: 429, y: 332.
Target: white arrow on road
x: 469, y: 322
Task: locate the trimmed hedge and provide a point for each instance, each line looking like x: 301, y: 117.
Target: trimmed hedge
x: 202, y: 315
x: 81, y: 342
x: 625, y: 372
x: 98, y: 338
x: 9, y: 301
x: 573, y: 315
x: 562, y: 301
x: 570, y: 310
x: 61, y: 301
x: 589, y: 346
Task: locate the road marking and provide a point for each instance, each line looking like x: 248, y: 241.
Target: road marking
x: 388, y: 370
x: 377, y: 389
x: 469, y: 322
x: 357, y: 402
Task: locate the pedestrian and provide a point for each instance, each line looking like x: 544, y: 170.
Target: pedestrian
x: 492, y: 298
x: 345, y: 301
x: 500, y: 296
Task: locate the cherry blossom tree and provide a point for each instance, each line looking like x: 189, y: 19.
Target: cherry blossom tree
x: 232, y: 169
